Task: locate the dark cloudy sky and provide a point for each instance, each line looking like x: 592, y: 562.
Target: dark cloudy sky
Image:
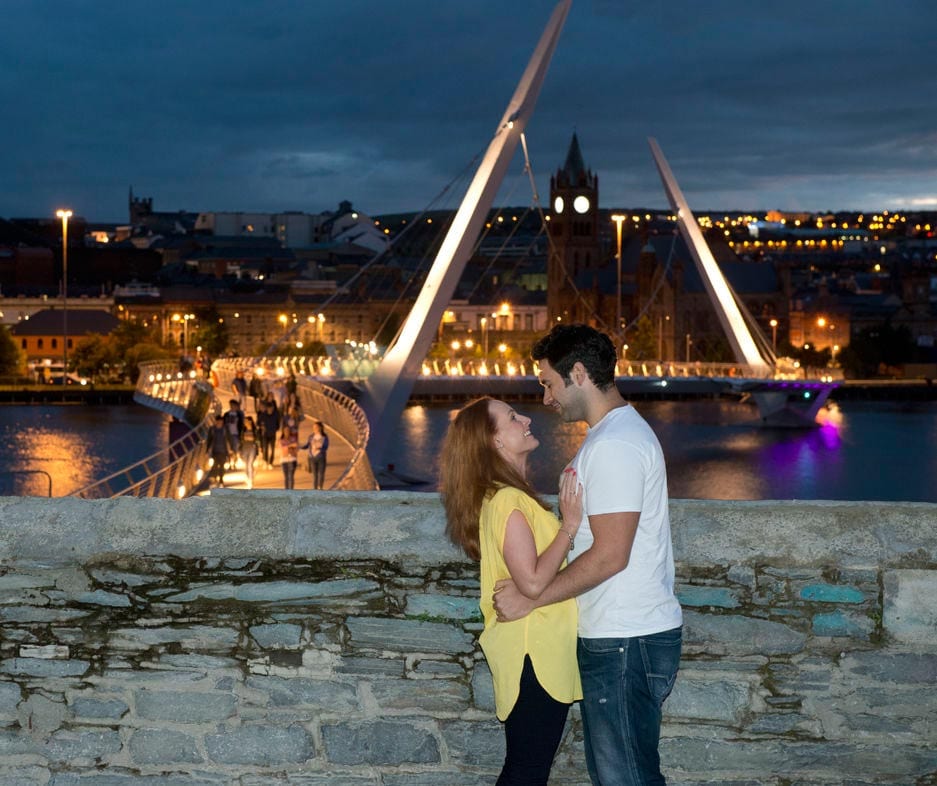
x: 270, y: 105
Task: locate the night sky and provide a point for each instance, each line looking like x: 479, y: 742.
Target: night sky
x: 280, y: 105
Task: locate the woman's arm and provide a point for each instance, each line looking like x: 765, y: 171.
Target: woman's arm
x: 531, y: 572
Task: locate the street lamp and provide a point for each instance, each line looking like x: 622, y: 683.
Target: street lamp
x: 689, y: 343
x: 184, y: 319
x: 660, y: 335
x: 774, y: 336
x: 618, y: 219
x: 484, y: 324
x: 64, y: 215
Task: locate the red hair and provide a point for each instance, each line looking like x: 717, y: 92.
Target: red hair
x: 471, y: 469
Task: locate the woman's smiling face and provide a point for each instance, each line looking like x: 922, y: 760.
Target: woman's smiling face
x: 512, y: 432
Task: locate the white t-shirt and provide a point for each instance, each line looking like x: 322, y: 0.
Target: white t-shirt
x: 621, y: 466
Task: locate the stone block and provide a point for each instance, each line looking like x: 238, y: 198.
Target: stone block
x: 99, y: 709
x: 443, y: 607
x: 424, y: 667
x: 121, y: 777
x: 41, y: 715
x: 325, y: 695
x: 260, y: 746
x: 910, y: 613
x: 16, y: 581
x: 177, y: 707
x: 38, y: 614
x: 739, y: 635
x: 708, y: 698
x: 831, y: 593
x: 483, y: 689
x: 196, y: 637
x: 71, y: 745
x: 276, y: 591
x: 410, y: 636
x: 448, y: 777
x: 281, y: 635
x: 10, y: 695
x: 43, y: 667
x: 201, y: 663
x: 101, y: 597
x: 379, y: 743
x: 163, y: 746
x: 23, y: 775
x: 386, y: 667
x: 839, y: 623
x: 439, y: 696
x: 718, y: 597
x: 476, y: 743
x: 15, y: 743
x: 908, y: 668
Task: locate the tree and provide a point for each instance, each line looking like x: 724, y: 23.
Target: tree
x: 878, y: 347
x: 94, y: 353
x: 11, y: 358
x: 642, y: 342
x: 212, y: 334
x: 141, y: 353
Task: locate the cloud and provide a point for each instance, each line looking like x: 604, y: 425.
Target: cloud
x: 218, y: 105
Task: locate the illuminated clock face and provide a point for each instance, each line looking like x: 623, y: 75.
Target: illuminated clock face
x: 558, y: 205
x: 581, y: 204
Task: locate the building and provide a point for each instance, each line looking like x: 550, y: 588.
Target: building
x: 573, y: 231
x: 42, y: 337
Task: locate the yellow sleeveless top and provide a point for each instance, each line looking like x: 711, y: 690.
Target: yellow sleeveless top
x: 547, y: 634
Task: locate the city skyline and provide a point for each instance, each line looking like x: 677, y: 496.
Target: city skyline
x: 214, y: 107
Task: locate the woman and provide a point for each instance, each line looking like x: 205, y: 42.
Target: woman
x: 495, y: 516
x: 318, y: 449
x: 289, y: 450
x: 249, y: 441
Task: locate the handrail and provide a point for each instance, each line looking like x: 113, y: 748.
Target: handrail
x: 174, y: 471
x: 357, y: 370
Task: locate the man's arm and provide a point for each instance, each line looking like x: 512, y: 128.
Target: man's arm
x: 613, y: 535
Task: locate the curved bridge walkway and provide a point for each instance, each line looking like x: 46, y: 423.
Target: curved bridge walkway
x: 182, y: 469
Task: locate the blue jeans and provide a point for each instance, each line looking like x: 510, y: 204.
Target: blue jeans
x: 624, y: 684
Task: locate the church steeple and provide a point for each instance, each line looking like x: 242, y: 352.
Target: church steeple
x: 574, y: 232
x: 575, y: 167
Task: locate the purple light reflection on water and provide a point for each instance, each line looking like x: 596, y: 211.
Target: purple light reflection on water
x: 715, y: 449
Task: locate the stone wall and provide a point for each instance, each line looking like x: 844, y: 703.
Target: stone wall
x: 330, y: 638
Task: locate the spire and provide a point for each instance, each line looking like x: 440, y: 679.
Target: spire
x: 575, y: 167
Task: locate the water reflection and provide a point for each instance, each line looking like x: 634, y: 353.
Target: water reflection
x: 716, y: 449
x: 75, y: 445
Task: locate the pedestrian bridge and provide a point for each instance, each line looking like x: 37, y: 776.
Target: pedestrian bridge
x: 181, y: 469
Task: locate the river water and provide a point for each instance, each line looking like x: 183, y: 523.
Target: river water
x: 714, y: 448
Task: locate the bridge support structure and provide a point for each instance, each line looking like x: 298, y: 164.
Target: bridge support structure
x: 386, y: 392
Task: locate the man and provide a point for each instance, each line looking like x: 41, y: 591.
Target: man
x: 268, y: 420
x: 240, y: 387
x: 234, y: 425
x: 218, y: 449
x: 621, y: 569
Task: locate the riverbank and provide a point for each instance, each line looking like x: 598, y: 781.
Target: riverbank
x: 68, y: 394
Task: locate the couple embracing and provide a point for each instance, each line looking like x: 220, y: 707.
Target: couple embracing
x: 581, y: 608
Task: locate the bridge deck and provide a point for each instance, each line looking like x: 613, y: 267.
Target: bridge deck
x: 339, y: 455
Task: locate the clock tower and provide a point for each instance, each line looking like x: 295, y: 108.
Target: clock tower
x: 574, y: 235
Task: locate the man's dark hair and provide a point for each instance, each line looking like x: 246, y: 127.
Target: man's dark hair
x: 566, y: 345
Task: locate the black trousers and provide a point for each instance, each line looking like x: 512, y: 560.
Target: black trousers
x: 532, y: 733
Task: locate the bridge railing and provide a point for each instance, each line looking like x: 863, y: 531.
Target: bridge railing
x: 357, y: 369
x: 333, y: 408
x: 174, y: 471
